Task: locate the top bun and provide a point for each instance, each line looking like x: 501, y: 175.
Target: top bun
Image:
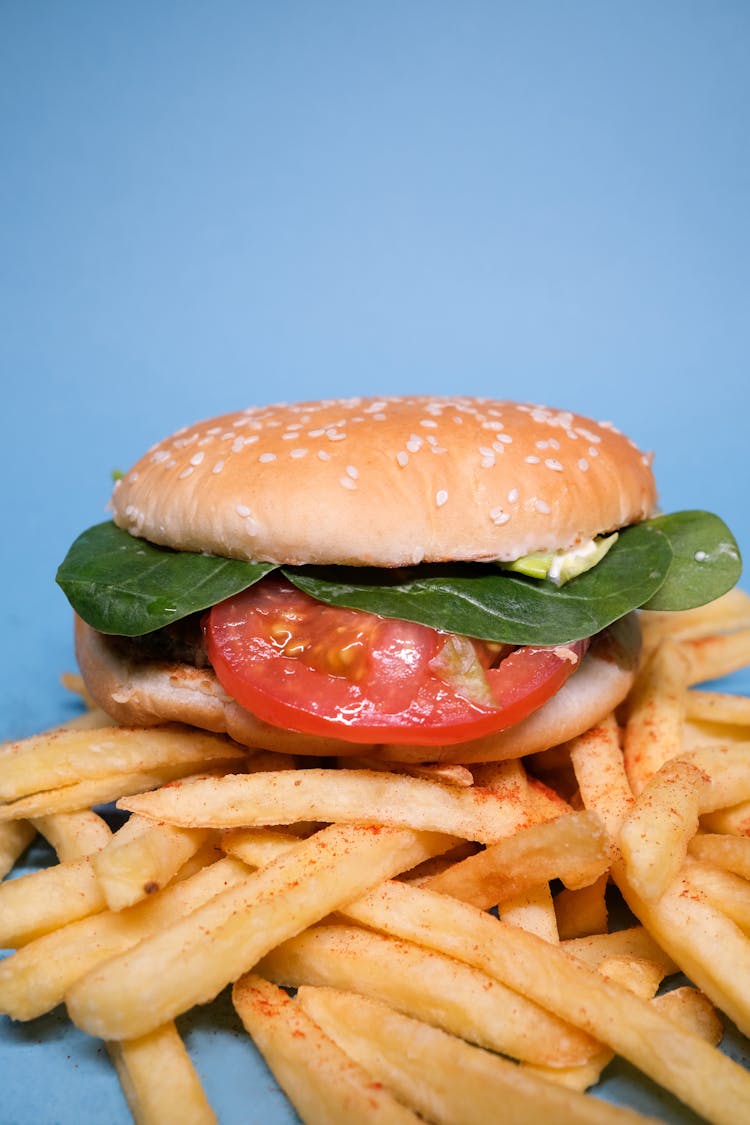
x: 386, y: 482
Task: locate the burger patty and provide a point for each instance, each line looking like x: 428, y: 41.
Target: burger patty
x: 179, y: 643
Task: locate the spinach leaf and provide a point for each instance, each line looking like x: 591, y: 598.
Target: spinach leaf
x: 705, y: 560
x: 119, y: 584
x: 481, y: 602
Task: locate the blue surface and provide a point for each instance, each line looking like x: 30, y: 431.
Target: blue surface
x: 206, y: 206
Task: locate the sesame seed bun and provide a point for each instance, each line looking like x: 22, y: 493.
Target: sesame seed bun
x: 386, y: 482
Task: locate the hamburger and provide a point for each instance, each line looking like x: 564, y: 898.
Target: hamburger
x: 409, y: 578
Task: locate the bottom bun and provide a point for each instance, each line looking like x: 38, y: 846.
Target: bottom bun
x: 146, y: 693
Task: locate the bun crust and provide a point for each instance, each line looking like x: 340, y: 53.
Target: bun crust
x: 387, y: 482
x: 146, y: 694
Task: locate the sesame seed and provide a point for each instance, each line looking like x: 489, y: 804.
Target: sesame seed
x: 197, y: 458
x: 540, y: 505
x: 593, y: 451
x: 323, y: 455
x: 186, y: 472
x: 242, y: 510
x: 298, y: 452
x: 218, y: 467
x: 402, y: 458
x: 532, y: 460
x: 551, y: 463
x: 315, y: 433
x: 499, y: 517
x: 513, y: 495
x: 428, y: 423
x: 414, y: 444
x: 506, y: 439
x: 159, y: 456
x: 347, y: 482
x: 265, y: 458
x: 441, y: 496
x: 583, y: 465
x: 352, y: 471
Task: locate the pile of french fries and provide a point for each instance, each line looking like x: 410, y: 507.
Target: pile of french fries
x: 404, y: 944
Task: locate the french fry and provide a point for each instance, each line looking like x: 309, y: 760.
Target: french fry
x: 168, y: 973
x: 572, y: 848
x: 684, y: 922
x: 35, y: 979
x: 534, y: 911
x: 582, y: 910
x: 41, y: 901
x: 711, y: 657
x: 15, y: 837
x: 732, y: 853
x: 706, y: 944
x: 323, y: 1082
x: 727, y: 768
x: 734, y: 820
x: 344, y: 796
x: 689, y: 1008
x: 578, y: 1078
x: 655, y: 835
x: 701, y: 1077
x: 448, y: 774
x: 51, y: 897
x: 256, y: 846
x: 64, y: 757
x: 718, y: 707
x: 130, y: 869
x: 442, y: 1078
x: 510, y: 781
x: 638, y: 975
x: 597, y: 760
x: 100, y: 791
x: 635, y: 943
x: 728, y: 893
x: 656, y: 713
x: 73, y: 834
x: 159, y: 1081
x: 430, y: 986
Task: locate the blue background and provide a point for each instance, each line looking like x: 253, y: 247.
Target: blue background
x: 207, y: 205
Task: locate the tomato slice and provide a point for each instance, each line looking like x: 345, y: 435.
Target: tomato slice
x: 302, y: 665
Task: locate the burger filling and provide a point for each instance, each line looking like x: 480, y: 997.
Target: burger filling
x: 320, y: 669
